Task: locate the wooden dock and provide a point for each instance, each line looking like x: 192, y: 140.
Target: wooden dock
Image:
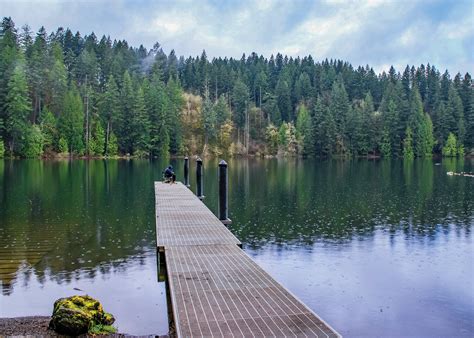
x: 216, y: 289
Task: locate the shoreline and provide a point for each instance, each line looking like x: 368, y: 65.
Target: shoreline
x: 261, y: 156
x: 26, y: 326
x: 38, y: 326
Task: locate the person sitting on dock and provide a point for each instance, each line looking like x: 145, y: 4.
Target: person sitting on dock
x: 169, y: 176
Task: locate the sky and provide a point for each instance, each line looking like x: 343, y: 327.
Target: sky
x: 375, y: 32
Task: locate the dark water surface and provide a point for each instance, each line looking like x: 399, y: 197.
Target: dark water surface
x: 375, y: 248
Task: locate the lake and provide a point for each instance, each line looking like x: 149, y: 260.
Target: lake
x: 376, y: 248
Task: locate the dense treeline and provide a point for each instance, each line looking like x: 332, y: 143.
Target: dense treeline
x: 64, y: 93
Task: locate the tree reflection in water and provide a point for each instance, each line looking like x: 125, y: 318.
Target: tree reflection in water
x: 69, y: 223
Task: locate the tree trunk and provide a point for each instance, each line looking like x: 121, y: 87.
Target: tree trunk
x: 35, y: 108
x: 87, y: 119
x: 107, y: 139
x: 39, y: 110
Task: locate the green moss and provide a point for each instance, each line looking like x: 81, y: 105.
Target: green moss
x: 102, y: 329
x: 80, y: 314
x: 70, y: 321
x: 108, y: 319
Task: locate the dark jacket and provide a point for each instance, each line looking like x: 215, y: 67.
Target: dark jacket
x: 168, y: 172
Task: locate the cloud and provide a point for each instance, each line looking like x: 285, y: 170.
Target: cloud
x: 375, y: 32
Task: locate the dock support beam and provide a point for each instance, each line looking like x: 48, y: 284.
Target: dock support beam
x: 223, y: 193
x: 199, y: 190
x: 186, y: 171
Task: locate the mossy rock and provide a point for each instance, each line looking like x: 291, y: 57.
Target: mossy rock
x: 78, y: 315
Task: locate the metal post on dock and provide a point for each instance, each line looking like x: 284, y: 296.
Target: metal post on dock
x: 223, y: 193
x: 186, y: 171
x: 199, y: 191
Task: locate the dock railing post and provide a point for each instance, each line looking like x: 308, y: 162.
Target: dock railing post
x: 186, y: 171
x: 199, y: 191
x: 223, y: 193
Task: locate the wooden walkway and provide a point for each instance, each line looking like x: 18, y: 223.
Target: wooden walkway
x: 216, y: 289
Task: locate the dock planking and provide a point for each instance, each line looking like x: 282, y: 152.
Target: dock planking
x: 182, y: 219
x: 216, y: 289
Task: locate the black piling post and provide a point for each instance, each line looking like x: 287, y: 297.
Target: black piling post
x: 223, y: 193
x: 199, y: 191
x: 186, y: 171
x: 161, y: 264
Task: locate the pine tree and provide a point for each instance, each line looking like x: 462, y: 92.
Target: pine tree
x: 98, y: 140
x: 270, y: 107
x: 261, y: 85
x: 25, y: 40
x: 57, y: 81
x: 140, y: 126
x: 113, y: 145
x: 71, y: 122
x: 209, y: 119
x: 363, y: 124
x: 316, y: 117
x: 385, y: 145
x: 376, y: 129
x: 110, y: 109
x: 460, y: 149
x: 49, y: 130
x: 38, y: 72
x: 124, y: 130
x: 395, y: 111
x: 158, y: 109
x: 225, y: 136
x: 454, y: 113
x: 408, y: 152
x: 9, y: 55
x: 283, y: 136
x: 406, y: 81
x: 433, y: 89
x: 303, y: 88
x: 329, y: 133
x: 176, y: 103
x: 283, y: 97
x: 17, y: 109
x: 439, y: 127
x: 172, y: 66
x: 358, y: 130
x: 32, y: 144
x: 427, y: 139
x: 163, y: 140
x: 465, y: 92
x: 339, y: 108
x: 303, y: 130
x: 372, y: 124
x: 420, y: 124
x: 470, y: 122
x: 450, y: 147
x: 63, y: 147
x: 240, y: 96
x: 222, y: 111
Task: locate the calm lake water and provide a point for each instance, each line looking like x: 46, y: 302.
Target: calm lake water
x: 376, y: 248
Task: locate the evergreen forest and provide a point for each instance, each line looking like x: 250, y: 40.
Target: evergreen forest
x: 64, y: 94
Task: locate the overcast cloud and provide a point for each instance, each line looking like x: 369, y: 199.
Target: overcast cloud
x: 375, y: 32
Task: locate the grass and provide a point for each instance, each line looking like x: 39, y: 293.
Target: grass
x: 102, y: 329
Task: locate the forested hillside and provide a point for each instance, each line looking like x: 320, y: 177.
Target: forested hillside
x: 63, y: 93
